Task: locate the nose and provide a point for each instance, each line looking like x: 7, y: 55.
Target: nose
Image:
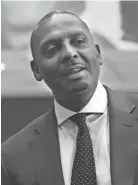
x: 69, y: 53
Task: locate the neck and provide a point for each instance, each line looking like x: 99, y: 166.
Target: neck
x: 75, y: 101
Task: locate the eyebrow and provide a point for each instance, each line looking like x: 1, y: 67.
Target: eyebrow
x: 57, y: 37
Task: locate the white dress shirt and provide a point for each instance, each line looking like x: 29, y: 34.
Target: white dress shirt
x: 99, y: 131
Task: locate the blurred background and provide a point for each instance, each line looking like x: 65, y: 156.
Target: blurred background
x: 114, y: 25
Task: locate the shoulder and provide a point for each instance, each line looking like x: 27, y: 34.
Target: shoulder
x: 122, y: 100
x: 15, y: 152
x: 116, y: 93
x: 20, y: 140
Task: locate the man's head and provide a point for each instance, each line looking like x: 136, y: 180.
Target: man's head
x: 64, y: 53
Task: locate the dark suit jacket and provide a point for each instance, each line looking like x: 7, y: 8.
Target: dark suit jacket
x: 32, y: 156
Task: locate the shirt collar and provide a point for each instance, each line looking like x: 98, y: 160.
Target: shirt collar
x: 97, y: 104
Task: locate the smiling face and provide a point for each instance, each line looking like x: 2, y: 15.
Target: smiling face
x: 65, y: 55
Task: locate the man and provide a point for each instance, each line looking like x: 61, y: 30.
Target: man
x: 99, y: 145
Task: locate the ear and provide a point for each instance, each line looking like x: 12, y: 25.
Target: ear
x: 99, y: 53
x: 36, y: 70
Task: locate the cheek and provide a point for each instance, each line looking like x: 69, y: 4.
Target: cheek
x: 50, y: 70
x: 90, y: 57
x: 49, y: 66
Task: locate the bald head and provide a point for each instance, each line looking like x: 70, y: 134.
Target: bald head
x: 48, y: 17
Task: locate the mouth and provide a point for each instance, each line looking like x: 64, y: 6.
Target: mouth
x: 73, y: 69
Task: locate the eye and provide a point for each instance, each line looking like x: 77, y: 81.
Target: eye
x: 79, y: 41
x: 50, y: 50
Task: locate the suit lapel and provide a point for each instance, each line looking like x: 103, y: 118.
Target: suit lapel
x: 123, y: 138
x: 45, y: 153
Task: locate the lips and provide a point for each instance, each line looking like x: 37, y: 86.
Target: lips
x: 73, y: 69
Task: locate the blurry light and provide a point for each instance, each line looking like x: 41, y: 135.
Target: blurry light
x: 3, y: 67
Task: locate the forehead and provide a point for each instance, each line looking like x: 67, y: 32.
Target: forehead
x: 59, y: 24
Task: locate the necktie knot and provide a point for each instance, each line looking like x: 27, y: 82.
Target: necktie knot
x: 79, y: 119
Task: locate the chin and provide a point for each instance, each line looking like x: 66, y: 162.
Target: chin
x: 83, y: 88
x: 78, y: 88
